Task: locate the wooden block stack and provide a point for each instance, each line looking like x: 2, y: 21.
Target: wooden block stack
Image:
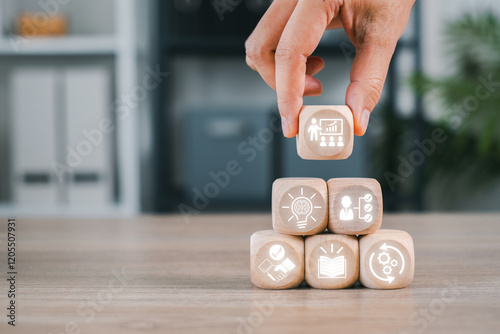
x: 328, y: 234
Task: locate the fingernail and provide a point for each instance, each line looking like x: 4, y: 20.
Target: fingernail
x: 365, y: 118
x: 284, y: 126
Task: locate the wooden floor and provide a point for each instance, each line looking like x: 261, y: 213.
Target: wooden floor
x: 163, y: 275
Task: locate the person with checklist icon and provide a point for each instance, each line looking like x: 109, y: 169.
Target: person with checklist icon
x: 346, y: 212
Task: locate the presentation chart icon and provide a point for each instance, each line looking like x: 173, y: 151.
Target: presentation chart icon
x: 329, y: 132
x: 325, y: 133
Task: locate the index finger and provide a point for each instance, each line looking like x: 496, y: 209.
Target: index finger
x: 262, y: 43
x: 300, y: 38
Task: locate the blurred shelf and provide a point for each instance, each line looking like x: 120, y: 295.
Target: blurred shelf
x: 125, y: 22
x: 15, y: 211
x: 57, y: 46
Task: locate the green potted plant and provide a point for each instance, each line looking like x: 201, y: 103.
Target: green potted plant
x: 470, y: 156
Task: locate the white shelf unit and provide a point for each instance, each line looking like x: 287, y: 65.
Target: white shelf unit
x: 70, y: 46
x: 122, y: 47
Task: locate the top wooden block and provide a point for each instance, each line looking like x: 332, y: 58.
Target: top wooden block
x: 325, y: 133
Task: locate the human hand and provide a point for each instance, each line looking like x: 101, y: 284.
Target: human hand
x: 281, y: 45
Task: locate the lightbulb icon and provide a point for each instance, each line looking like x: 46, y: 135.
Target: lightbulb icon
x: 302, y: 208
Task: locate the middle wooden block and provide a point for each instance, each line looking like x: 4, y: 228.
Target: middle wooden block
x: 331, y: 261
x: 355, y: 206
x: 299, y: 206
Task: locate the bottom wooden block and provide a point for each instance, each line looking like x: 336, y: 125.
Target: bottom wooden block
x: 276, y: 260
x: 332, y: 261
x: 387, y: 259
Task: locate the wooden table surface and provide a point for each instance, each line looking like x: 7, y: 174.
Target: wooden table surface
x: 163, y: 275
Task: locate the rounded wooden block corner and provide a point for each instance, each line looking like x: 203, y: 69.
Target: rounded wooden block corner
x: 331, y: 261
x: 325, y: 133
x: 387, y: 259
x: 299, y: 206
x: 276, y: 260
x: 355, y: 206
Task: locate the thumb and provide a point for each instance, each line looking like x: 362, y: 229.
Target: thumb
x: 368, y: 74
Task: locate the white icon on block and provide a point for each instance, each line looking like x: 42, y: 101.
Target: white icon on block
x: 327, y: 128
x: 277, y: 272
x: 331, y: 127
x: 346, y: 211
x: 387, y: 263
x: 364, y: 210
x: 276, y: 252
x: 302, y: 208
x: 314, y: 129
x: 332, y: 267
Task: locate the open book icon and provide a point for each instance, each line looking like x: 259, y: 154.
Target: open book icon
x: 331, y: 268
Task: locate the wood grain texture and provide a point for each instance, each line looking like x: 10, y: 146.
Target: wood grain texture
x: 355, y: 206
x: 194, y: 277
x: 299, y: 205
x: 276, y: 260
x: 387, y: 259
x: 320, y: 250
x: 316, y: 142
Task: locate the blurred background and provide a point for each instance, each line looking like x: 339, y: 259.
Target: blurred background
x: 122, y: 107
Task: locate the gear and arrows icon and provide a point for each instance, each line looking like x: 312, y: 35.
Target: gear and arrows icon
x: 387, y: 263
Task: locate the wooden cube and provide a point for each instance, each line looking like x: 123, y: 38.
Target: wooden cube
x: 331, y: 261
x: 276, y: 260
x: 387, y: 259
x: 299, y: 206
x: 325, y: 133
x: 355, y: 206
